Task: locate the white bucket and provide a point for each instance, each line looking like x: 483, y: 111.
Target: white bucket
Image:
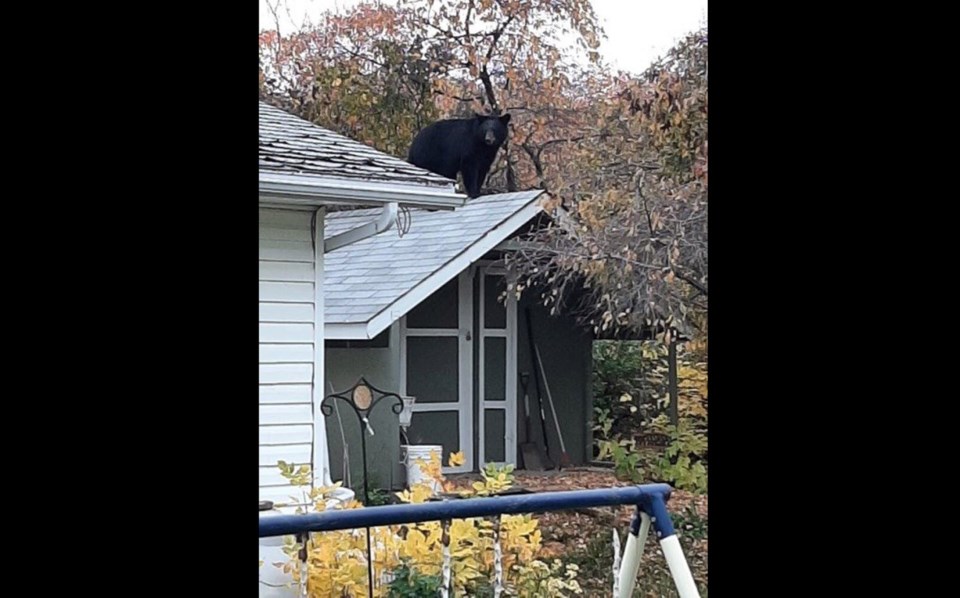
x: 415, y: 474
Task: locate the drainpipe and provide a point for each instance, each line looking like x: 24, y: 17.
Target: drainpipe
x: 384, y: 222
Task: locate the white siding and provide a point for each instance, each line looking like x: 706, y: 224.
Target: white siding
x: 287, y: 347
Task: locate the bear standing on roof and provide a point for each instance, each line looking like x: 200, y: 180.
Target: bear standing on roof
x: 464, y: 145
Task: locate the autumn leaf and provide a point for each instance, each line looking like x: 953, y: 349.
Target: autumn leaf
x: 456, y: 459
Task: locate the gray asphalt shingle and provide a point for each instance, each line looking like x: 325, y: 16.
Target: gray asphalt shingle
x: 363, y: 278
x: 291, y: 144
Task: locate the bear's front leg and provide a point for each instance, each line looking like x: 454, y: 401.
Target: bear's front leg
x: 471, y: 180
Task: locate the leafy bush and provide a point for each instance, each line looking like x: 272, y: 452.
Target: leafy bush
x: 631, y: 397
x: 407, y: 583
x: 407, y: 559
x: 625, y: 457
x: 630, y: 380
x: 618, y: 372
x: 378, y: 497
x: 682, y: 464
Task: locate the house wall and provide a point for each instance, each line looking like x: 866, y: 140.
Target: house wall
x: 381, y: 368
x: 289, y: 299
x: 566, y: 352
x: 567, y: 359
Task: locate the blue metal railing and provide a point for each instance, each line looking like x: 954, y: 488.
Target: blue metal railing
x: 328, y: 521
x: 650, y: 500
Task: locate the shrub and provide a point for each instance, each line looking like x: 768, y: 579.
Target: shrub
x: 408, y: 559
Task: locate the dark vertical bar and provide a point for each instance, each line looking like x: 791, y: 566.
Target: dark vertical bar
x: 672, y: 363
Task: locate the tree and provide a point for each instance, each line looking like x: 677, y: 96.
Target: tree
x: 379, y: 73
x: 512, y: 56
x: 360, y: 74
x: 626, y: 154
x: 636, y: 237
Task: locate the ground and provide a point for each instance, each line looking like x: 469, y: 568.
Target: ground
x: 585, y: 537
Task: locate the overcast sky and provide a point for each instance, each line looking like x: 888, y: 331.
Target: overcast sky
x: 638, y: 31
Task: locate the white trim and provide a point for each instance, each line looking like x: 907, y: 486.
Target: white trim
x: 321, y: 460
x: 399, y: 308
x: 360, y: 331
x: 466, y: 370
x: 509, y: 404
x: 403, y: 361
x: 297, y: 189
x: 434, y: 407
x: 511, y: 373
x: 356, y: 331
x: 433, y: 332
x: 481, y: 374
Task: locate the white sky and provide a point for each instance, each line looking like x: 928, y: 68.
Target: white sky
x: 638, y: 31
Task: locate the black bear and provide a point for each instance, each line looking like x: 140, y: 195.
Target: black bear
x: 464, y: 145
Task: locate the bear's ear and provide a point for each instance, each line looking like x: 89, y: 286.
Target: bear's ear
x: 505, y: 119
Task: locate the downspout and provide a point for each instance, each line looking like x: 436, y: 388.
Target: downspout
x: 383, y: 222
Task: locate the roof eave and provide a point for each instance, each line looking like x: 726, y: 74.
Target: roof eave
x: 310, y: 190
x: 347, y: 331
x: 400, y: 306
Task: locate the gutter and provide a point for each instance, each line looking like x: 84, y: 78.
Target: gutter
x: 383, y: 222
x: 308, y: 190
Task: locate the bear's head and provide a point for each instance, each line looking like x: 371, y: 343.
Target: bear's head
x: 492, y: 129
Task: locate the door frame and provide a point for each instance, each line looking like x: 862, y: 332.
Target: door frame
x: 509, y: 404
x: 464, y: 404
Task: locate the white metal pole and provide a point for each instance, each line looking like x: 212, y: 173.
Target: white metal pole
x: 631, y: 557
x: 616, y: 563
x: 679, y: 569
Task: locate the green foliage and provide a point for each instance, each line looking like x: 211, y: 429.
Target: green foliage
x: 625, y: 457
x: 378, y: 497
x: 682, y: 463
x: 689, y: 524
x: 496, y: 478
x: 629, y: 385
x: 408, y: 583
x: 631, y: 396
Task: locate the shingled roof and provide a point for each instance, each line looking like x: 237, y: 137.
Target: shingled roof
x: 289, y: 144
x: 370, y: 284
